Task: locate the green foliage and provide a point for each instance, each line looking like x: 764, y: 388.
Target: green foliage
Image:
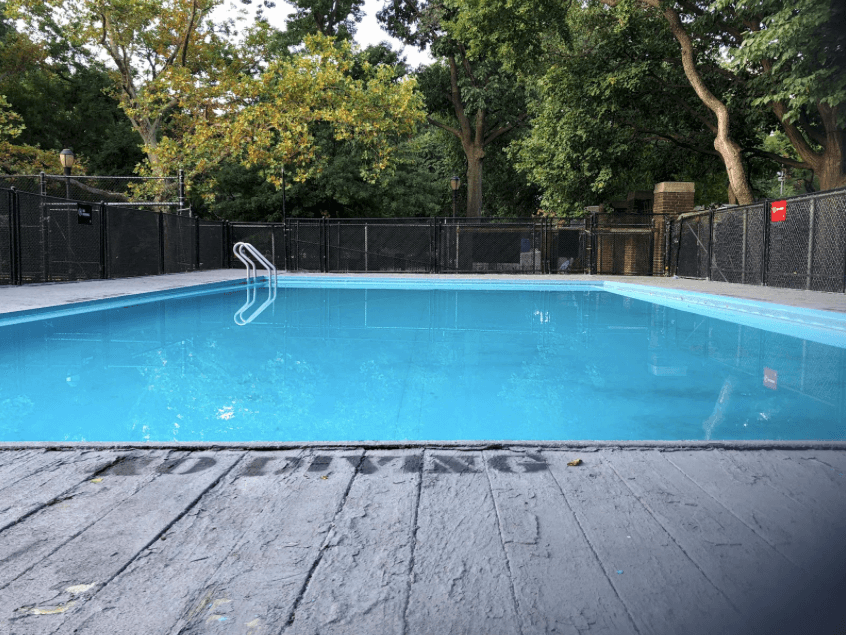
x: 800, y: 47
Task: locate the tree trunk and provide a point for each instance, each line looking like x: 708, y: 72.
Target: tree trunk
x: 475, y: 155
x: 149, y: 135
x: 831, y: 168
x: 727, y: 147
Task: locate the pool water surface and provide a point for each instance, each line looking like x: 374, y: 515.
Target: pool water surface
x: 353, y: 364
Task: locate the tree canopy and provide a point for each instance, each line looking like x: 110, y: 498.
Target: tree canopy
x: 543, y: 106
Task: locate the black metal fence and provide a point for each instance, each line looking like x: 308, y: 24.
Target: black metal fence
x: 798, y: 243
x: 44, y: 239
x: 802, y: 244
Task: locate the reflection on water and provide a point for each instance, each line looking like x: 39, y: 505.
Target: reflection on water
x: 244, y: 316
x: 335, y: 364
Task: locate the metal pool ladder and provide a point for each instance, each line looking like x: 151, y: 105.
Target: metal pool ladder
x: 243, y: 251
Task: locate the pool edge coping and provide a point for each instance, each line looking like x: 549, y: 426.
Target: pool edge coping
x: 472, y: 446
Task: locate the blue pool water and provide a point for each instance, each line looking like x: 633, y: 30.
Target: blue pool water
x: 340, y: 364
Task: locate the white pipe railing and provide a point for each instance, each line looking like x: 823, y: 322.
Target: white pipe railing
x: 242, y: 252
x: 239, y: 250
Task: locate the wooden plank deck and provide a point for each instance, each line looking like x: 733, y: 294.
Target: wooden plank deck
x: 422, y: 541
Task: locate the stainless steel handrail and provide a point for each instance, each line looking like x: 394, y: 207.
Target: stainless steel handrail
x: 240, y: 247
x: 242, y: 252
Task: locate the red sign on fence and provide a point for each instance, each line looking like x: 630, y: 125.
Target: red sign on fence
x: 778, y: 211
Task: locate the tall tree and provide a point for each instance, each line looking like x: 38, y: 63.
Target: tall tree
x: 484, y: 101
x: 271, y: 120
x: 61, y: 100
x: 787, y: 58
x: 150, y: 43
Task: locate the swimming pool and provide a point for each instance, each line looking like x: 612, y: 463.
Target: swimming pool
x: 342, y: 360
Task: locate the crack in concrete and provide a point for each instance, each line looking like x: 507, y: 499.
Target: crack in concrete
x: 326, y: 540
x: 414, y: 523
x: 716, y: 500
x: 593, y: 551
x: 675, y: 542
x: 51, y: 467
x: 183, y: 623
x: 50, y: 503
x: 502, y: 542
x: 102, y: 586
x: 29, y: 474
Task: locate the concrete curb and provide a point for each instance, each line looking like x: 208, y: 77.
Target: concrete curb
x: 475, y: 446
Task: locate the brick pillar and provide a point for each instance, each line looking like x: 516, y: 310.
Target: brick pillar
x: 669, y: 200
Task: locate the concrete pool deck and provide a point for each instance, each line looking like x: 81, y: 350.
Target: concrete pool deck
x: 407, y: 541
x: 503, y: 538
x: 36, y: 296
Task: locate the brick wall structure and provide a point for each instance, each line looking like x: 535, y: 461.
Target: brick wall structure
x: 669, y: 199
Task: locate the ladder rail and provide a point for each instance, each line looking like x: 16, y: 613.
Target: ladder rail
x: 245, y: 252
x: 248, y: 263
x: 239, y: 250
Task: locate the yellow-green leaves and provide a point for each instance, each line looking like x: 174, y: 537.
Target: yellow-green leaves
x: 269, y: 120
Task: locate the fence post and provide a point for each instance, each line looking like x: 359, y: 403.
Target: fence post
x: 589, y: 244
x: 161, y: 243
x: 811, y: 245
x: 103, y: 208
x: 668, y: 242
x: 285, y: 249
x: 196, y: 243
x: 431, y: 245
x: 325, y: 244
x: 765, y: 252
x: 181, y: 193
x: 15, y: 238
x: 224, y: 244
x: 743, y: 253
x: 710, y: 241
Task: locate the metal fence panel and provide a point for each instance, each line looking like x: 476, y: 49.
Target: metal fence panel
x: 826, y: 270
x: 211, y: 245
x: 306, y: 240
x: 73, y: 249
x: 787, y: 256
x: 6, y: 237
x: 491, y: 247
x: 569, y: 250
x: 349, y: 248
x: 133, y: 243
x: 398, y: 248
x: 730, y: 236
x: 756, y: 219
x: 179, y: 240
x: 692, y: 254
x: 33, y: 237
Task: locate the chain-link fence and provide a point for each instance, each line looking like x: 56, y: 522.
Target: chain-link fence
x: 44, y: 239
x: 797, y: 243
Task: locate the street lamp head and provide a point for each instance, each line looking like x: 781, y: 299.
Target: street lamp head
x: 454, y: 182
x: 67, y: 157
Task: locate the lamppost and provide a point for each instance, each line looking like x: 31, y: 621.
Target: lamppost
x: 67, y: 157
x: 454, y: 183
x: 283, y: 194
